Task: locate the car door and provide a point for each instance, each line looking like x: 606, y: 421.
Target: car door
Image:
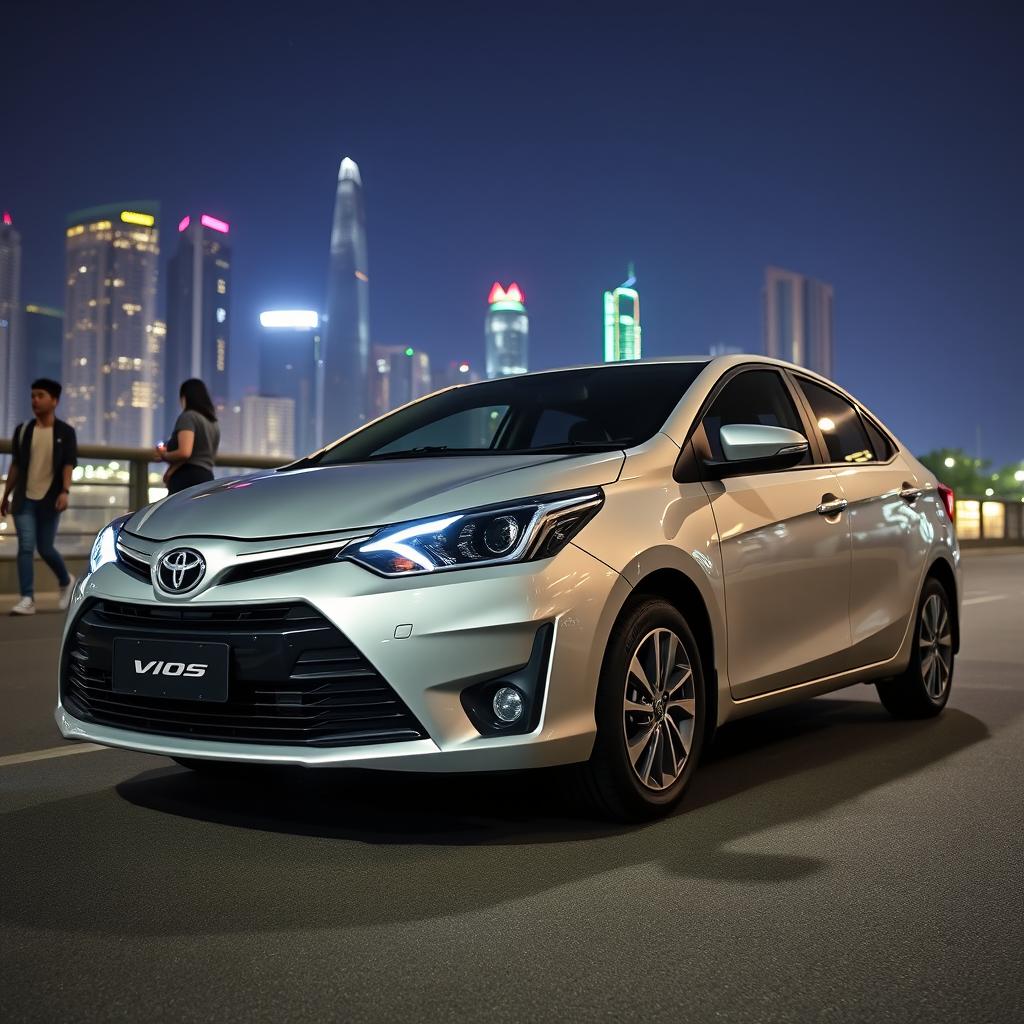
x: 890, y: 537
x: 786, y: 565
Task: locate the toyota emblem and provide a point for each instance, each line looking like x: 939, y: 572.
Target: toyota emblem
x: 181, y: 570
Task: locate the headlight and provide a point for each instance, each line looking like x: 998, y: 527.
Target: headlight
x: 104, y: 547
x: 528, y: 529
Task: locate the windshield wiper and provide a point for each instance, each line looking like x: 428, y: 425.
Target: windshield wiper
x: 576, y: 446
x: 428, y: 449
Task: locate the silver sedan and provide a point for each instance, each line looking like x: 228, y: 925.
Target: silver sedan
x: 592, y: 567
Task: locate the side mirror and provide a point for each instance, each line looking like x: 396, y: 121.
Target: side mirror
x: 755, y: 448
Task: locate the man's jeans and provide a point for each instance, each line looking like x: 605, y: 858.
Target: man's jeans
x: 38, y: 530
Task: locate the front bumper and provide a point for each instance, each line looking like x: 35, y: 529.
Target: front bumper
x: 466, y: 627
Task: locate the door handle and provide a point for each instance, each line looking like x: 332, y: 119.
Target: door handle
x: 831, y: 505
x: 909, y: 493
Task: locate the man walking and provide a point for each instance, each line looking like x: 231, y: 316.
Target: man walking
x: 45, y: 450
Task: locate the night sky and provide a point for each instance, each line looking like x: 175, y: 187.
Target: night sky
x: 877, y: 147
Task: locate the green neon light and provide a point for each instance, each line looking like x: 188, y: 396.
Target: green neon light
x: 409, y: 351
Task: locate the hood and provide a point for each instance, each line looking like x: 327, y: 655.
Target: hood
x: 327, y: 499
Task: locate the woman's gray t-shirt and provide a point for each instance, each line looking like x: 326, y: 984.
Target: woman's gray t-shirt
x: 206, y: 438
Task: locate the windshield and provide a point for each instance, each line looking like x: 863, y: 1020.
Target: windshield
x: 597, y: 409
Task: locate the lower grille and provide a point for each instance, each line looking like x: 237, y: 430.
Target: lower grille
x: 294, y: 678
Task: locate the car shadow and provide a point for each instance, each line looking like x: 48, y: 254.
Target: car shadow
x: 304, y: 848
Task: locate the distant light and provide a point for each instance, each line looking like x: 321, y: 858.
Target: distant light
x: 83, y: 269
x: 147, y: 220
x: 7, y: 218
x: 211, y: 222
x: 989, y: 492
x: 361, y: 276
x: 297, y: 319
x: 222, y: 314
x: 826, y: 424
x: 1019, y: 476
x: 949, y: 462
x: 511, y: 294
x: 409, y: 351
x: 184, y: 223
x: 463, y: 367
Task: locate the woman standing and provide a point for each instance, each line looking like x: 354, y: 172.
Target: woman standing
x: 192, y: 448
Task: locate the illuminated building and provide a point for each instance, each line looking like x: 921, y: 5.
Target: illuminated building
x: 347, y: 389
x: 291, y: 366
x: 268, y: 426
x: 13, y: 406
x: 506, y: 331
x: 112, y: 344
x: 401, y: 373
x: 43, y: 331
x: 622, y: 321
x: 798, y: 319
x: 198, y: 311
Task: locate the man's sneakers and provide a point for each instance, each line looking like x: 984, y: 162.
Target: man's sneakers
x: 65, y: 594
x: 26, y: 606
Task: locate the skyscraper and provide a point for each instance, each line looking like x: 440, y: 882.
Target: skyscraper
x: 43, y: 333
x: 112, y: 351
x: 506, y: 331
x: 198, y: 310
x: 268, y: 426
x: 12, y: 405
x: 347, y: 389
x: 291, y: 366
x: 798, y: 320
x: 401, y: 373
x: 622, y: 321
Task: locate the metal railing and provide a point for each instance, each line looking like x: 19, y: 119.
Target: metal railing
x: 109, y: 481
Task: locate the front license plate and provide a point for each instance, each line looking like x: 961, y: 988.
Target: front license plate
x: 165, y: 668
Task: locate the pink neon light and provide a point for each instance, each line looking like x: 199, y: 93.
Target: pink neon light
x: 184, y: 223
x: 211, y: 222
x: 7, y: 218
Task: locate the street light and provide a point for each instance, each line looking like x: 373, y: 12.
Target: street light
x: 989, y: 492
x: 1019, y: 476
x: 950, y: 462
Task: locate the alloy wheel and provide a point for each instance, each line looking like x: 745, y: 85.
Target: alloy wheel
x: 935, y: 646
x: 659, y: 709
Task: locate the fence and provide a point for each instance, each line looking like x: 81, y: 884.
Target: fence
x: 109, y: 481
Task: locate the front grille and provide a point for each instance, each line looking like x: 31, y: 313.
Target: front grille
x: 257, y: 569
x: 293, y: 677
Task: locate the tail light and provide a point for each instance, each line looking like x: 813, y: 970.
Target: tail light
x: 946, y: 493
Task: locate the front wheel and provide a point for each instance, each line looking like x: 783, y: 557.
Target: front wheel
x: 923, y: 690
x: 650, y: 714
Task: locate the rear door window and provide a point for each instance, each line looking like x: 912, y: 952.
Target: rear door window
x: 839, y: 422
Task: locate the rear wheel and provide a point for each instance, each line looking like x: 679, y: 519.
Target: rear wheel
x: 650, y: 714
x: 923, y: 690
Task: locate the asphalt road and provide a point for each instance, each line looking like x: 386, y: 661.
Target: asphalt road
x: 829, y: 864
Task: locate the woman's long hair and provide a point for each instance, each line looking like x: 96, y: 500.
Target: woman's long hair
x: 197, y: 398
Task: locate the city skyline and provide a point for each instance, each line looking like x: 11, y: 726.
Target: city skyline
x: 903, y: 197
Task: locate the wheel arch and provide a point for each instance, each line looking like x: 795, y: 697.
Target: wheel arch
x: 942, y: 571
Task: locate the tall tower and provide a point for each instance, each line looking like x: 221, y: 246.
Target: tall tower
x: 198, y: 311
x: 798, y: 320
x: 506, y: 331
x: 13, y: 406
x: 291, y: 366
x: 347, y: 331
x: 112, y: 345
x: 622, y: 321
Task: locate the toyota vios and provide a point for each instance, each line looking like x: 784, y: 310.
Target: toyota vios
x: 590, y: 567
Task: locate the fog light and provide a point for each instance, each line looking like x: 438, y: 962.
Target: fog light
x: 508, y: 704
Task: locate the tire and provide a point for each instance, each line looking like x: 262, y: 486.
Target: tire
x: 643, y: 759
x: 923, y: 689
